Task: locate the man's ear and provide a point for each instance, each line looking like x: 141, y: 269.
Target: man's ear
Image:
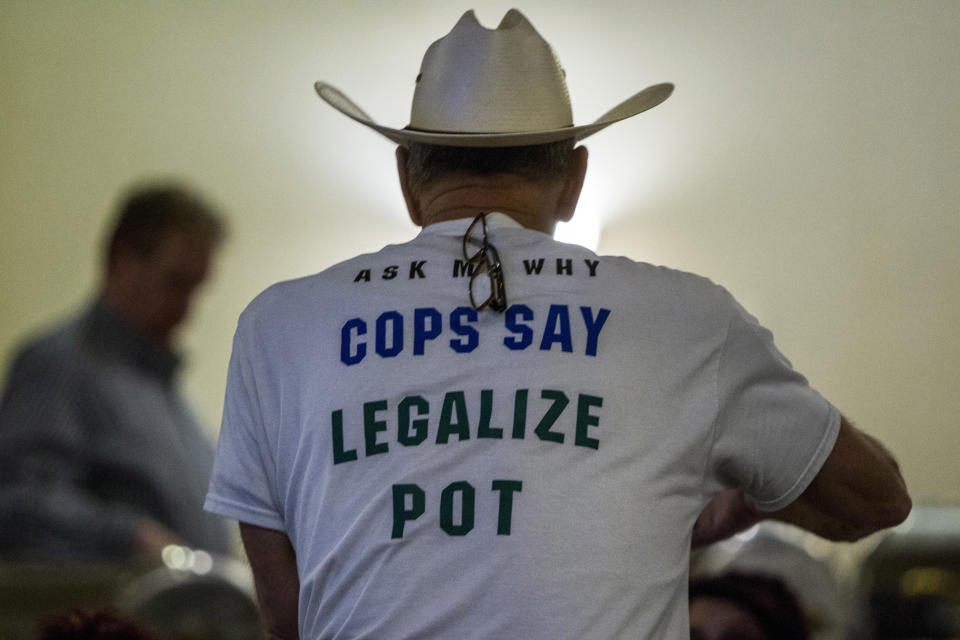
x: 572, y: 185
x: 409, y: 196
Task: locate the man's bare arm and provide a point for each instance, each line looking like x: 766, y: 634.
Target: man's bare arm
x: 274, y: 565
x: 859, y: 490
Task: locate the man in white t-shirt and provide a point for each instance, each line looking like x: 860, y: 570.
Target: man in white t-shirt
x: 485, y: 433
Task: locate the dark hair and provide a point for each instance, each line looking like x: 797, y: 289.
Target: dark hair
x: 772, y: 604
x: 100, y: 625
x: 539, y: 163
x: 148, y: 213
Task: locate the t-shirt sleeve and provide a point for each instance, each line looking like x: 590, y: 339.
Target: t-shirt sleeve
x: 242, y: 484
x: 773, y: 431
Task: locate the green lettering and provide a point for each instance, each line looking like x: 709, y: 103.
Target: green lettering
x: 467, y: 494
x: 453, y: 402
x: 419, y: 426
x: 486, y: 408
x: 560, y: 402
x: 336, y: 426
x: 585, y: 420
x: 401, y: 513
x: 372, y: 426
x: 505, y: 513
x: 520, y: 414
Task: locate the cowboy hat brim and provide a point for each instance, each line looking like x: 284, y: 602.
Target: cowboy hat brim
x: 638, y: 103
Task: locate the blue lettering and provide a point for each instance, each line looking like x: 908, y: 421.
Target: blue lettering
x: 458, y: 317
x: 512, y: 321
x: 594, y: 325
x: 557, y: 329
x: 346, y: 357
x: 428, y: 325
x: 420, y: 331
x: 396, y: 344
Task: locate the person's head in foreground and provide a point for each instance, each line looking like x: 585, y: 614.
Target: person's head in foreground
x: 744, y: 606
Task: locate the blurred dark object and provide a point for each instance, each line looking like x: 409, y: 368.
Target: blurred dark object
x: 33, y: 592
x: 99, y: 625
x: 192, y: 598
x: 815, y: 570
x: 911, y: 581
x: 745, y: 605
x: 189, y: 595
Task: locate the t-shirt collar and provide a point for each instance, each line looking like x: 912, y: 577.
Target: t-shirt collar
x: 458, y: 227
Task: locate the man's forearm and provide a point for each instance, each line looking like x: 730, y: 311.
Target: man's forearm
x: 859, y: 490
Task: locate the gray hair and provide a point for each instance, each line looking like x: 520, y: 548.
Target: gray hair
x: 537, y: 163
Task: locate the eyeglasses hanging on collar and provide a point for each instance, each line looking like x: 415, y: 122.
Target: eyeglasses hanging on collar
x: 486, y: 268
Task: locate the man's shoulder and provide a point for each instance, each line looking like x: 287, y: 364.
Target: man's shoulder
x: 633, y: 273
x: 52, y: 342
x: 47, y: 359
x: 327, y: 287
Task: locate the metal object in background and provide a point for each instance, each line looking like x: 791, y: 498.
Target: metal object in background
x: 911, y: 582
x: 187, y: 595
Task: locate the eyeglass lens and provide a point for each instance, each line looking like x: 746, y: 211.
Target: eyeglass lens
x: 484, y: 261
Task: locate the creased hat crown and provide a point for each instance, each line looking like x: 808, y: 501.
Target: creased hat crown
x: 479, y: 80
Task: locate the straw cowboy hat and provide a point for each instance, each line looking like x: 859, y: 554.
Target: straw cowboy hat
x: 500, y: 87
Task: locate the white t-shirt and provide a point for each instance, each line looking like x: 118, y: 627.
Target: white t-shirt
x: 448, y: 473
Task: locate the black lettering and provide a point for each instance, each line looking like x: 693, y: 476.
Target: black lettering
x: 363, y: 275
x: 592, y: 265
x: 416, y: 269
x: 390, y: 272
x: 461, y: 268
x: 564, y: 266
x: 533, y: 267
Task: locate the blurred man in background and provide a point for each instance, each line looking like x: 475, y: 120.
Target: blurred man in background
x: 99, y: 456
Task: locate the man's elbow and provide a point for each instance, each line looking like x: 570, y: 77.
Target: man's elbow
x: 894, y: 509
x: 885, y: 513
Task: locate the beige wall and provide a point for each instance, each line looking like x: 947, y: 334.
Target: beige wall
x: 808, y: 161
